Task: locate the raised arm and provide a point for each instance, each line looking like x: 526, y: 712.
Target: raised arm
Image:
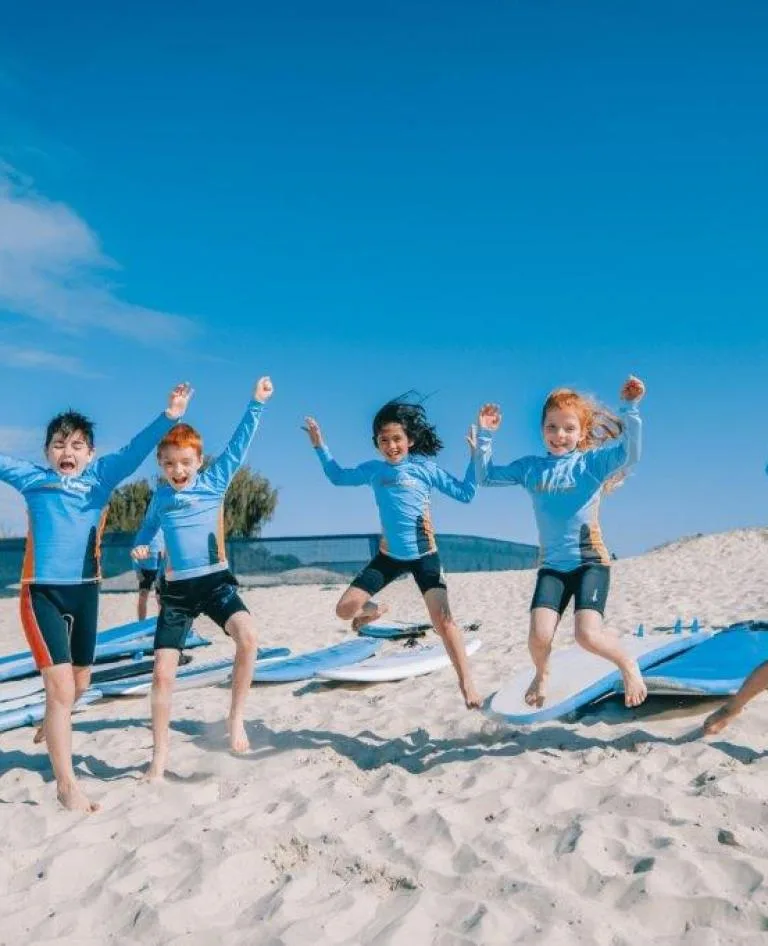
x: 338, y: 475
x: 462, y: 490
x: 224, y: 467
x: 623, y: 452
x: 488, y: 473
x: 19, y: 473
x: 115, y: 467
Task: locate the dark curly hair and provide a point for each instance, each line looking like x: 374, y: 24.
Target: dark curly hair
x: 66, y: 424
x: 413, y: 419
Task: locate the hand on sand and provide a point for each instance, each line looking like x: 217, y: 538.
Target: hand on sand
x: 489, y: 417
x: 633, y: 389
x: 313, y: 429
x: 263, y: 390
x: 178, y: 401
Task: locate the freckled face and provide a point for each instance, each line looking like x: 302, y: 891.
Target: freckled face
x: 180, y: 465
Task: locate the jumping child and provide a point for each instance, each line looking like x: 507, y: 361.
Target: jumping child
x: 189, y: 508
x: 66, y: 504
x: 588, y: 451
x: 402, y: 484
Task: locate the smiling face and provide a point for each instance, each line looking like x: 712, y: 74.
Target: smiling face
x: 69, y: 453
x: 179, y: 465
x: 393, y: 442
x: 561, y: 430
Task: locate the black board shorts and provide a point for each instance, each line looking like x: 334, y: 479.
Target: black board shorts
x: 383, y: 569
x: 588, y: 586
x: 60, y: 622
x: 213, y: 595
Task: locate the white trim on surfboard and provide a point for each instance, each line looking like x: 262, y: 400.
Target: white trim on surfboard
x: 406, y: 663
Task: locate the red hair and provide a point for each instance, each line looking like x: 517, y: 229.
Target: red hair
x: 598, y: 424
x: 182, y: 435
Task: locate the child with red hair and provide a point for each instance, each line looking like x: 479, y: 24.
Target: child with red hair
x: 589, y: 450
x: 189, y: 508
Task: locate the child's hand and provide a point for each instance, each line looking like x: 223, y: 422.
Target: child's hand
x: 632, y: 389
x: 263, y: 390
x: 178, y: 400
x: 141, y: 553
x: 312, y: 428
x: 472, y: 438
x: 489, y: 417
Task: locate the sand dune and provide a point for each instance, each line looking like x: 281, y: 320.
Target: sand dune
x: 388, y: 814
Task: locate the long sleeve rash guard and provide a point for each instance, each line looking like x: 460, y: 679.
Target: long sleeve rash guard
x: 192, y: 519
x: 67, y: 513
x: 402, y: 492
x: 566, y: 491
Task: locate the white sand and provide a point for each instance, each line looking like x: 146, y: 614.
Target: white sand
x: 389, y: 814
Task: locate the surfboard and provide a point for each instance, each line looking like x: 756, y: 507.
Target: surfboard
x: 188, y: 678
x: 577, y: 677
x: 394, y: 630
x: 717, y: 668
x: 305, y: 666
x: 408, y: 662
x: 121, y: 632
x: 32, y: 714
x: 129, y: 652
x: 24, y: 665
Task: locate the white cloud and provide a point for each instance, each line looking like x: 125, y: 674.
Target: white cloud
x: 52, y: 269
x: 15, y: 357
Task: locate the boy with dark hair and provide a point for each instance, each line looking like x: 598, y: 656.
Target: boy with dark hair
x: 66, y: 504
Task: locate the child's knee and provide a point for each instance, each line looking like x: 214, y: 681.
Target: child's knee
x: 163, y: 676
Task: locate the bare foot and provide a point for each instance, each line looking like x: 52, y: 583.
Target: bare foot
x: 635, y: 690
x: 470, y: 694
x: 156, y: 770
x: 73, y: 798
x: 39, y: 735
x: 717, y: 721
x: 238, y: 738
x: 368, y: 615
x: 536, y: 692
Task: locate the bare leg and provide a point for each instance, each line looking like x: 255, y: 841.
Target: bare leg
x: 163, y: 679
x: 592, y: 636
x: 59, y: 698
x: 544, y: 623
x: 82, y: 676
x: 436, y: 600
x: 356, y: 605
x: 142, y: 603
x: 755, y: 683
x: 241, y: 630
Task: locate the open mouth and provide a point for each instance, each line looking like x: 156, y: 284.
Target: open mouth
x: 179, y: 481
x: 67, y: 466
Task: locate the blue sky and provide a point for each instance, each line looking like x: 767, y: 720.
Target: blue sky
x: 480, y: 201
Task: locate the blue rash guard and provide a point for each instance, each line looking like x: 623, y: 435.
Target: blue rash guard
x: 403, y: 491
x: 67, y: 513
x: 566, y: 491
x: 192, y: 519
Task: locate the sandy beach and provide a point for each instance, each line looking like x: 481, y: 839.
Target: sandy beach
x: 389, y: 814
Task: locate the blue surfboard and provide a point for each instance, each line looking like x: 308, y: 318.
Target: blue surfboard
x: 718, y: 667
x: 32, y: 714
x: 121, y: 632
x: 105, y: 651
x: 305, y: 666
